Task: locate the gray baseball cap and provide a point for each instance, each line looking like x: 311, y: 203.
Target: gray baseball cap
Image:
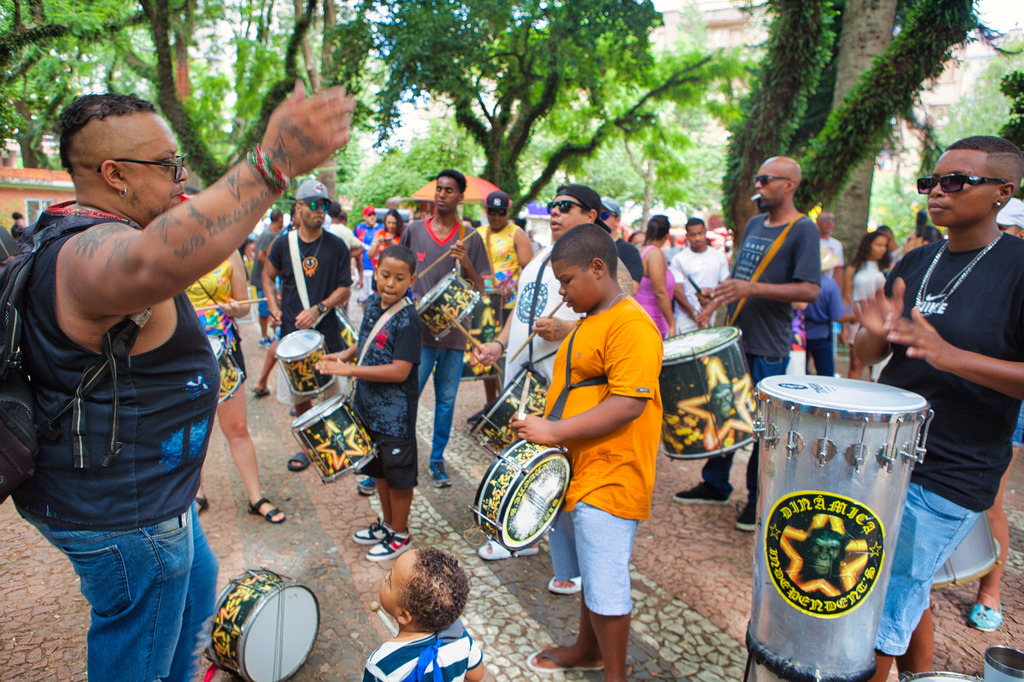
x: 310, y: 190
x: 611, y: 206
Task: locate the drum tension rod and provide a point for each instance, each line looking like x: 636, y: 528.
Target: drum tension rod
x: 855, y: 453
x: 826, y: 449
x: 794, y: 443
x: 922, y: 447
x: 884, y: 458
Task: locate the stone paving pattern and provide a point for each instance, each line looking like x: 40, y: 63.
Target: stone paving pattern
x: 691, y: 569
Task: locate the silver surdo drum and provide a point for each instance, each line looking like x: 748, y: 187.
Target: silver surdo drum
x: 835, y: 463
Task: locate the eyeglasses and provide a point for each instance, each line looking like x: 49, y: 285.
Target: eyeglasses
x: 605, y: 215
x: 563, y: 206
x: 318, y: 205
x: 178, y: 165
x: 496, y: 211
x: 765, y: 179
x: 954, y: 182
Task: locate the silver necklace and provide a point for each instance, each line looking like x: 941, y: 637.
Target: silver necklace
x: 935, y: 304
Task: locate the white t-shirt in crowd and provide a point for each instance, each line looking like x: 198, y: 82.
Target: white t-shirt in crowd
x: 707, y: 268
x: 519, y: 328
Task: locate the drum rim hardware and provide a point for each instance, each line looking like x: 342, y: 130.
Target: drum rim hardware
x: 675, y: 359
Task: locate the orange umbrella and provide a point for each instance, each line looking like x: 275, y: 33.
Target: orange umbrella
x: 477, y: 189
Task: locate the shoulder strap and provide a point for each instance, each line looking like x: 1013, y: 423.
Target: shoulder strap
x: 392, y: 310
x: 765, y: 260
x: 297, y: 272
x: 533, y: 304
x: 559, y: 406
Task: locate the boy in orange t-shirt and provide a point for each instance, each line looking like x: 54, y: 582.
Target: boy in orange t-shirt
x: 609, y: 419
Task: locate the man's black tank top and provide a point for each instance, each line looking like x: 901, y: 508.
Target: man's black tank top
x: 167, y: 402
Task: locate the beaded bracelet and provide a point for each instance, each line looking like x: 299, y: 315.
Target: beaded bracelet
x: 262, y: 163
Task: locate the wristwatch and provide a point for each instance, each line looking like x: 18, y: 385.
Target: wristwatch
x: 321, y: 308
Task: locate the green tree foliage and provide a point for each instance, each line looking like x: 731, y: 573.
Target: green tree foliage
x: 1012, y: 86
x: 505, y: 67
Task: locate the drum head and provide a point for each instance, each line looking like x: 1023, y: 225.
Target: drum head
x: 531, y: 506
x: 299, y: 343
x: 279, y: 635
x: 937, y: 677
x: 216, y: 345
x: 315, y: 413
x: 698, y: 343
x: 847, y: 395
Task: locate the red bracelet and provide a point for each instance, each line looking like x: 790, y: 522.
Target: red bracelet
x: 262, y: 163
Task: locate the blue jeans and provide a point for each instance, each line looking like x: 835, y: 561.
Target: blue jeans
x: 716, y: 470
x: 447, y: 375
x: 151, y: 590
x: 820, y: 350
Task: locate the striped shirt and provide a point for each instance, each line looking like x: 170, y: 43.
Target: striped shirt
x: 395, y: 661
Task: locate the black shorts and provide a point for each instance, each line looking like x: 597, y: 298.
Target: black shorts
x: 395, y: 462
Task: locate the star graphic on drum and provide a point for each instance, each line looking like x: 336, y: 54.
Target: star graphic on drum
x: 721, y: 416
x: 823, y: 558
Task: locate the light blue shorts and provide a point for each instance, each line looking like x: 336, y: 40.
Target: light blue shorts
x: 596, y: 545
x: 1018, y: 433
x: 932, y: 528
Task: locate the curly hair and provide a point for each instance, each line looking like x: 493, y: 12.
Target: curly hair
x: 436, y: 593
x: 863, y: 253
x: 87, y: 107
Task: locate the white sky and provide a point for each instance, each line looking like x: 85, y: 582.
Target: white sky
x: 1001, y: 15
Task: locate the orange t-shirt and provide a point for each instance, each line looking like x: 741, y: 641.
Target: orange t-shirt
x: 614, y: 472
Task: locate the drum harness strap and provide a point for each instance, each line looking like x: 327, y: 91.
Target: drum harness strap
x: 297, y: 272
x: 117, y: 344
x: 429, y: 654
x: 384, y: 318
x: 765, y: 260
x: 559, y: 406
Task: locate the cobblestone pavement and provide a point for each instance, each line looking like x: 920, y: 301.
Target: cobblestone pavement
x: 691, y: 569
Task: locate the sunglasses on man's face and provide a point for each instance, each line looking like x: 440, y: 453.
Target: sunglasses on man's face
x: 765, y: 179
x: 563, y: 206
x: 318, y: 205
x: 953, y: 182
x: 496, y: 211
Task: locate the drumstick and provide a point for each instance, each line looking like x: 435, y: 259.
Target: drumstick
x: 441, y: 258
x: 375, y: 607
x: 214, y: 307
x: 524, y: 397
x: 472, y: 339
x: 533, y: 333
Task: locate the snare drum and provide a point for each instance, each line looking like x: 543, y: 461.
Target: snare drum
x: 521, y: 492
x: 835, y: 462
x: 265, y: 627
x: 494, y: 429
x: 298, y: 353
x: 449, y: 301
x: 334, y: 438
x: 231, y: 375
x: 707, y: 394
x: 975, y: 556
x: 349, y: 333
x: 484, y: 325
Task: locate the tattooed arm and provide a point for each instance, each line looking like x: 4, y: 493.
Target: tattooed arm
x: 110, y: 270
x: 624, y: 279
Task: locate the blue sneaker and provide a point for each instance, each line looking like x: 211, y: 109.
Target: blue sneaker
x: 985, y: 619
x: 367, y: 487
x: 438, y: 475
x: 265, y: 342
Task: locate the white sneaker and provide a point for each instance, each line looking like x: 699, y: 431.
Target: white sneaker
x: 493, y: 551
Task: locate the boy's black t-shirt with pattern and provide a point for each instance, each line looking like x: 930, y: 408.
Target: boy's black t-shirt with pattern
x: 389, y: 408
x: 969, y: 439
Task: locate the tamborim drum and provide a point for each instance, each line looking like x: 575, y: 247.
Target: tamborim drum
x: 298, y: 354
x: 231, y: 375
x: 835, y: 462
x: 975, y: 556
x: 484, y: 325
x: 334, y: 438
x: 349, y: 333
x: 494, y: 429
x: 449, y: 301
x: 521, y: 492
x: 265, y: 626
x: 707, y: 394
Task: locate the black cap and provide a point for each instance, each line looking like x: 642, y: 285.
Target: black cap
x: 498, y: 199
x: 588, y: 198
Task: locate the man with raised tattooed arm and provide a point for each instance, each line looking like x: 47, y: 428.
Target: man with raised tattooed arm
x: 122, y: 510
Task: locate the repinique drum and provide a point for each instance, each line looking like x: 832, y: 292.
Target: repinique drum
x: 265, y: 627
x: 494, y: 429
x: 231, y: 375
x: 298, y: 354
x: 334, y: 438
x: 521, y: 492
x: 975, y: 556
x: 451, y: 300
x: 938, y: 677
x: 707, y: 394
x: 835, y: 462
x: 484, y: 325
x: 349, y: 333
